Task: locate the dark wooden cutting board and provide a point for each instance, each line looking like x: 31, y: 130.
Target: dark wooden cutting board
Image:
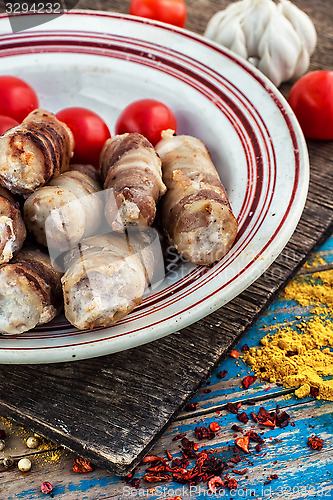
x: 112, y: 409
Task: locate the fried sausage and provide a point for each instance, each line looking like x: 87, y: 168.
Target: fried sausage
x: 196, y: 214
x: 131, y: 170
x: 34, y: 152
x: 63, y: 212
x: 30, y: 292
x: 105, y: 280
x: 12, y: 228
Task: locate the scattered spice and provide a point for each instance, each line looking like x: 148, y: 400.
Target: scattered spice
x: 191, y: 406
x: 234, y: 354
x: 239, y: 472
x: 213, y: 482
x: 82, y: 466
x: 222, y: 374
x: 315, y: 442
x: 204, y: 433
x: 242, y: 417
x: 214, y: 426
x: 179, y: 436
x: 245, y: 348
x: 243, y: 443
x: 301, y: 357
x: 232, y: 408
x: 47, y: 488
x: 249, y: 380
x: 135, y: 483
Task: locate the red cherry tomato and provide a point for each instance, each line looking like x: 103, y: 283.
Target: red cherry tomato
x: 90, y: 133
x: 148, y: 117
x: 17, y: 98
x: 311, y: 99
x: 6, y: 122
x: 167, y: 11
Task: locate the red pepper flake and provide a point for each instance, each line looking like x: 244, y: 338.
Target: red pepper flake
x: 255, y: 437
x: 239, y: 472
x: 292, y: 424
x: 231, y: 483
x: 267, y: 388
x: 213, y: 482
x: 82, y: 466
x: 222, y: 374
x: 236, y: 428
x: 315, y: 442
x: 311, y: 426
x: 191, y: 406
x: 235, y: 460
x: 245, y: 348
x: 274, y: 476
x: 234, y: 354
x: 268, y: 481
x: 243, y: 443
x: 152, y: 458
x: 254, y: 416
x: 214, y: 426
x: 158, y: 477
x: 249, y: 380
x: 258, y: 448
x: 135, y: 483
x: 242, y: 417
x: 204, y: 433
x: 232, y: 408
x: 170, y: 457
x: 179, y: 436
x: 314, y: 392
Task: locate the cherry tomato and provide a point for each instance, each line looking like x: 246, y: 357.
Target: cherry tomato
x: 148, y: 117
x: 167, y: 11
x: 311, y: 99
x: 6, y: 122
x: 17, y: 98
x: 90, y: 133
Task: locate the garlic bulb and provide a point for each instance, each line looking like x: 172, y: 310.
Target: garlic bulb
x: 277, y: 38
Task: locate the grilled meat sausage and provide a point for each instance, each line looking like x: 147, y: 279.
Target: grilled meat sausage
x: 61, y: 213
x: 30, y: 292
x: 131, y: 170
x: 196, y: 215
x: 34, y: 152
x: 105, y: 279
x: 12, y: 228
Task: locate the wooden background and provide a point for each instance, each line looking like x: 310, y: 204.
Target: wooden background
x: 111, y: 410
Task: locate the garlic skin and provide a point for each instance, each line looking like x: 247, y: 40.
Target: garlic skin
x: 277, y: 38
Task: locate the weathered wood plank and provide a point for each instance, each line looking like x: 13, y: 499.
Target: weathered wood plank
x: 111, y: 409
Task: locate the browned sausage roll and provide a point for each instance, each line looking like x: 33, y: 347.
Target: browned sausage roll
x: 30, y: 292
x: 12, y: 228
x: 131, y: 170
x: 66, y: 210
x: 105, y: 280
x: 34, y: 152
x: 196, y: 214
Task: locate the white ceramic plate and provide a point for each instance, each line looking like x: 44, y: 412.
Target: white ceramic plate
x: 104, y: 61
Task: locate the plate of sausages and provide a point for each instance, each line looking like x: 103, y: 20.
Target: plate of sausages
x: 163, y: 235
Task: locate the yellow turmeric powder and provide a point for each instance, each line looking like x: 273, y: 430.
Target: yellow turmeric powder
x: 301, y: 356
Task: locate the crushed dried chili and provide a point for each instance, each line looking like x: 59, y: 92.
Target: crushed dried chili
x: 204, y: 433
x: 214, y: 426
x: 243, y: 443
x: 315, y: 442
x: 191, y: 406
x: 82, y: 466
x: 249, y: 380
x: 222, y: 374
x: 234, y: 354
x: 242, y: 417
x: 232, y: 408
x: 213, y: 482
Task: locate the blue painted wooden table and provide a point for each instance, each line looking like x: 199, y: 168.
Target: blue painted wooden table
x: 302, y: 472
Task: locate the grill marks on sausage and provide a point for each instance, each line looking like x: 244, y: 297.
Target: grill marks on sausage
x: 132, y: 169
x: 41, y: 275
